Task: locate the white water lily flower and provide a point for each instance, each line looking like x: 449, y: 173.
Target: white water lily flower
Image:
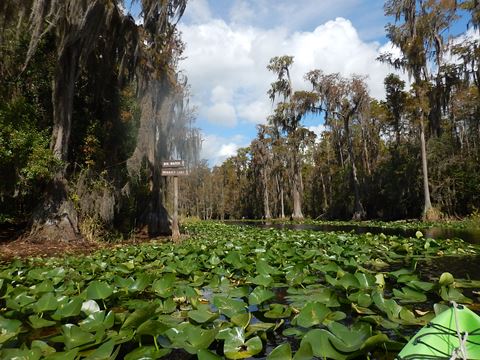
x: 90, y: 307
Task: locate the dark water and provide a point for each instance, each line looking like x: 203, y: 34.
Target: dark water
x: 469, y: 235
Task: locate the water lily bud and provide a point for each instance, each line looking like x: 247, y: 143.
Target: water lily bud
x: 446, y: 279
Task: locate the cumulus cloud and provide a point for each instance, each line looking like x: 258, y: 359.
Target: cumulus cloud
x: 198, y: 11
x: 217, y: 148
x: 226, y: 63
x: 222, y: 113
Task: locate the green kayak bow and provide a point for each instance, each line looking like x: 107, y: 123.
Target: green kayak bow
x: 453, y: 334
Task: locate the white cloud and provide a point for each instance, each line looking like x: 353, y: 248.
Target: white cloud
x: 226, y: 63
x: 217, y: 149
x: 222, y: 113
x: 242, y: 12
x: 470, y: 35
x: 198, y: 11
x: 318, y: 130
x: 255, y: 112
x: 221, y: 94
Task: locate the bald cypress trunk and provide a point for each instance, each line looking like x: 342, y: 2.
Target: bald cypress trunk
x: 266, y: 200
x: 297, y: 190
x: 427, y: 206
x: 359, y: 211
x: 56, y: 218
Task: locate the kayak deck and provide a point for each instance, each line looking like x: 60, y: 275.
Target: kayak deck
x: 439, y: 339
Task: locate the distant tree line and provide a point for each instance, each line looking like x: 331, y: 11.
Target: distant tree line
x: 90, y: 104
x: 414, y: 154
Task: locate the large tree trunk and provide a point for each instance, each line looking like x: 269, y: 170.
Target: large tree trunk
x: 297, y: 191
x: 266, y: 200
x: 359, y: 211
x: 428, y: 211
x: 56, y: 218
x: 324, y: 191
x: 282, y: 203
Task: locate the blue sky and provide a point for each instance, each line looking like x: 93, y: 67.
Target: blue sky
x: 229, y: 44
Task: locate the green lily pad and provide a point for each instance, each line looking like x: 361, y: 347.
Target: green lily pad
x: 241, y: 320
x: 44, y: 348
x: 74, y: 336
x: 259, y: 295
x: 235, y: 346
x: 202, y: 314
x: 190, y: 337
x: 164, y: 286
x: 203, y: 354
x: 262, y: 280
x: 104, y: 352
x: 14, y: 354
x: 147, y: 353
x: 449, y: 293
x: 312, y: 314
x: 229, y: 307
x: 305, y: 352
x: 138, y: 317
x: 408, y: 295
x: 152, y: 328
x: 278, y: 311
x: 64, y: 355
x: 98, y: 321
x: 99, y: 290
x: 37, y: 322
x: 8, y: 329
x: 68, y: 309
x: 281, y: 352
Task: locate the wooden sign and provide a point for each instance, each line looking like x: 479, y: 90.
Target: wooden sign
x: 173, y: 164
x: 178, y: 171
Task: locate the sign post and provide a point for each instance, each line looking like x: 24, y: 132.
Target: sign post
x: 174, y: 168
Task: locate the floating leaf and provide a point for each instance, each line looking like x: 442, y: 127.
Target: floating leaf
x: 229, y: 307
x: 37, y: 322
x: 67, y: 355
x: 203, y: 354
x: 235, y: 346
x: 281, y: 352
x: 18, y: 354
x: 202, y: 314
x: 75, y: 337
x: 164, y: 286
x: 138, y: 317
x: 68, y: 309
x: 312, y: 314
x: 103, y: 352
x: 8, y: 329
x: 44, y: 348
x: 408, y: 295
x: 98, y: 290
x: 190, y: 337
x: 263, y: 280
x: 278, y: 311
x: 260, y: 295
x: 304, y: 352
x: 147, y: 353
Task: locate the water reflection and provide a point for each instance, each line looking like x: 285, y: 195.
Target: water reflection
x: 469, y: 235
x: 461, y: 267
